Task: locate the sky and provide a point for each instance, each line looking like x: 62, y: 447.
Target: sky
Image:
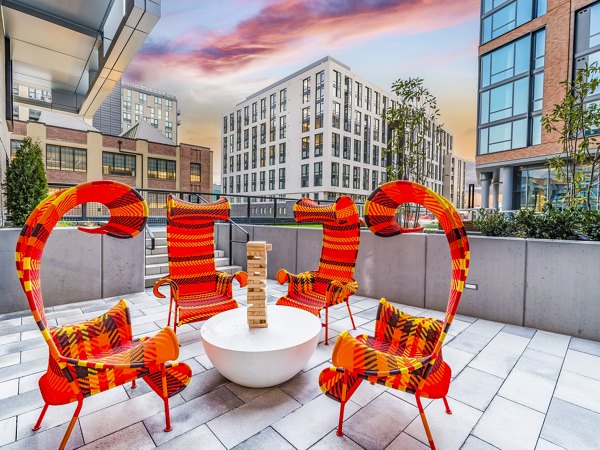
x: 212, y: 54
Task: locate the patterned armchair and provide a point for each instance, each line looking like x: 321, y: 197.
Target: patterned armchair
x: 97, y: 355
x: 332, y: 283
x: 406, y: 351
x: 197, y: 290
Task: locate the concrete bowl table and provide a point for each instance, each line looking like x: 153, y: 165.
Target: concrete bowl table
x: 261, y: 357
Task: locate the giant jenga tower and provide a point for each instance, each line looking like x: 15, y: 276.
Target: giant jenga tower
x: 257, y: 283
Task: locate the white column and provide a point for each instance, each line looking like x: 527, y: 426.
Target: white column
x: 486, y: 179
x: 506, y: 175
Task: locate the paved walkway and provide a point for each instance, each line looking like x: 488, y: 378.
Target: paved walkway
x: 513, y: 388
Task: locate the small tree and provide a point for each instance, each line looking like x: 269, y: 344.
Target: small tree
x: 575, y: 122
x: 410, y: 120
x: 25, y: 185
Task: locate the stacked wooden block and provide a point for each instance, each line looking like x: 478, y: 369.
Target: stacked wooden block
x: 257, y: 283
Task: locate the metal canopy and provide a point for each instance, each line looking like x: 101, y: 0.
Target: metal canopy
x: 76, y: 49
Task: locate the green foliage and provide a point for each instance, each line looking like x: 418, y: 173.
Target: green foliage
x: 551, y: 223
x: 25, y: 184
x: 493, y: 223
x: 575, y: 121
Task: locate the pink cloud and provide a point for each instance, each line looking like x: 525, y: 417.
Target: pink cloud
x: 289, y: 26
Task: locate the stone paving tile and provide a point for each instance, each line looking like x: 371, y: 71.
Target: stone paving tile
x: 585, y: 345
x: 555, y: 344
x: 19, y: 346
x: 266, y: 439
x: 308, y: 424
x: 203, y: 359
x: 370, y: 313
x: 192, y: 414
x: 519, y: 331
x: 305, y: 386
x: 406, y: 442
x: 135, y: 437
x: 579, y: 390
x: 247, y: 394
x: 8, y: 430
x: 322, y: 354
x: 8, y: 339
x: 540, y: 363
x: 334, y: 442
x: 571, y: 426
x: 471, y: 342
x: 500, y: 355
x: 48, y: 439
x: 508, y: 425
x: 19, y: 404
x: 106, y: 421
x: 475, y: 388
x: 528, y: 389
x: 346, y: 324
x: 9, y: 388
x: 34, y: 353
x: 583, y: 364
x: 473, y: 443
x: 368, y: 392
x: 543, y: 444
x: 202, y: 383
x: 23, y: 369
x: 252, y: 417
x: 10, y: 359
x: 457, y: 359
x: 193, y: 439
x: 449, y: 430
x: 370, y: 427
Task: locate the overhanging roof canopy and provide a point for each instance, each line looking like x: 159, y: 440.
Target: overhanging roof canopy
x: 77, y: 49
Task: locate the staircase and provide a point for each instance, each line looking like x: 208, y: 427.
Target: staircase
x: 157, y: 261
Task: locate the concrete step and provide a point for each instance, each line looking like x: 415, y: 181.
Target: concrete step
x: 151, y: 279
x: 157, y: 241
x: 159, y: 232
x: 158, y: 250
x: 163, y: 267
x: 156, y: 259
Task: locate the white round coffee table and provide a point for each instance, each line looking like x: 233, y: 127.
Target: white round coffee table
x: 261, y: 357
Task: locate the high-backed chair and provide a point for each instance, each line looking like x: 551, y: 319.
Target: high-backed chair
x: 333, y: 282
x: 406, y: 352
x: 198, y: 291
x: 99, y: 354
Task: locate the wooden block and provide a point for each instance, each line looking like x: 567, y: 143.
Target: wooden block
x: 269, y: 247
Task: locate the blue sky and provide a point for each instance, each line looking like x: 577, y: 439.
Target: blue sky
x: 212, y: 54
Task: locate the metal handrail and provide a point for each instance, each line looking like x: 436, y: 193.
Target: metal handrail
x: 150, y: 234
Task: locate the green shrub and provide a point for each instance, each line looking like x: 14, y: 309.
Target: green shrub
x: 493, y: 223
x: 25, y: 184
x: 590, y: 225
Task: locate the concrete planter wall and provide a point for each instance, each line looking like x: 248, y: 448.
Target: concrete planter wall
x: 76, y: 266
x: 545, y: 284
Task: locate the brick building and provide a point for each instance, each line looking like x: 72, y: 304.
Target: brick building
x: 527, y: 48
x: 75, y: 152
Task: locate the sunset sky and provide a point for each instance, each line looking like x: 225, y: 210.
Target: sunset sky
x: 214, y: 53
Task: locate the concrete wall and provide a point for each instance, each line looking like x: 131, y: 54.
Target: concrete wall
x: 76, y: 266
x: 550, y: 285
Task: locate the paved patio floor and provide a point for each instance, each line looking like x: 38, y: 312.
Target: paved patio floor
x: 513, y: 387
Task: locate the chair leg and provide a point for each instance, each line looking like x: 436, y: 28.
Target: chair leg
x: 350, y: 312
x: 326, y: 324
x: 166, y: 399
x: 133, y: 384
x: 67, y: 435
x: 170, y: 311
x: 448, y: 410
x: 343, y: 401
x: 424, y: 420
x: 38, y: 424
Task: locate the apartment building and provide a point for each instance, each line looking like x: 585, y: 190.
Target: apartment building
x: 455, y: 180
x: 129, y: 103
x: 318, y: 133
x: 527, y: 48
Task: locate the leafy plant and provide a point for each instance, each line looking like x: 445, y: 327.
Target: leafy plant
x: 590, y: 224
x: 25, y: 184
x: 493, y: 223
x: 575, y: 121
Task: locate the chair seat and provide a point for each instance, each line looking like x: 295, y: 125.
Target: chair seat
x: 310, y: 300
x: 202, y: 306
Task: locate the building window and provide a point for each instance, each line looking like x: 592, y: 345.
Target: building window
x: 263, y: 133
x: 304, y: 175
x: 14, y: 145
x: 245, y: 182
x: 161, y: 169
x: 246, y: 116
x: 357, y: 122
x: 365, y: 179
x: 318, y: 174
x: 282, y: 178
x: 346, y: 176
x: 305, y: 147
x: 272, y: 179
x: 126, y: 117
x: 374, y: 181
x: 262, y: 181
x: 238, y: 162
x: 335, y: 174
x: 246, y: 161
x: 65, y: 158
x: 231, y: 122
x: 143, y: 98
x: 254, y: 112
x: 168, y: 104
x: 263, y: 157
x: 319, y: 144
x: 357, y: 145
x: 511, y: 95
x: 253, y: 181
x: 335, y: 115
x: 254, y: 158
x: 358, y: 93
x: 282, y: 153
x: 498, y: 20
x: 346, y: 148
x: 319, y: 115
x: 375, y: 155
x: 337, y: 83
x: 195, y: 173
x: 118, y: 164
x: 356, y: 178
x: 306, y: 90
x: 263, y: 108
x: 282, y: 127
x: 335, y: 144
x: 238, y: 184
x: 246, y: 138
x: 282, y: 100
x: 272, y: 155
x: 306, y: 119
x: 154, y: 123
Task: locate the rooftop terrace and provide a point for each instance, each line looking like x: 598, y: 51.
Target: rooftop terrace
x: 513, y: 387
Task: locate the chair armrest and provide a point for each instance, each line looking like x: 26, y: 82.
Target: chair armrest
x: 225, y: 280
x: 166, y: 280
x: 373, y: 363
x: 297, y: 283
x: 149, y: 352
x: 242, y: 278
x: 338, y: 291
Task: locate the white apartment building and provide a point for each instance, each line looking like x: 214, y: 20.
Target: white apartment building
x: 317, y: 133
x: 455, y: 176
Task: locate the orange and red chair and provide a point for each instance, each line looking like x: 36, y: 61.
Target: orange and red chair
x: 197, y: 290
x: 406, y: 352
x: 99, y: 354
x: 333, y: 282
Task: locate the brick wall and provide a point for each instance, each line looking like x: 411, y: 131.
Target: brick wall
x: 162, y: 149
x: 20, y: 128
x: 166, y: 185
x: 67, y: 177
x: 195, y: 154
x: 130, y: 181
x: 113, y: 142
x: 66, y: 135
